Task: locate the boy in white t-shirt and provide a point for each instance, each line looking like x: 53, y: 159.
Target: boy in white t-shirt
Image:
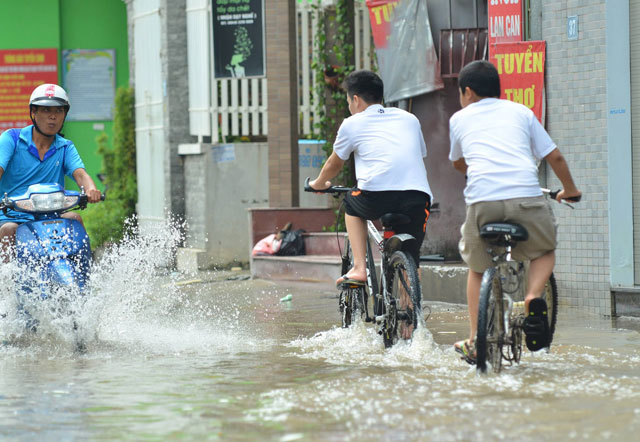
x: 495, y: 143
x: 388, y: 149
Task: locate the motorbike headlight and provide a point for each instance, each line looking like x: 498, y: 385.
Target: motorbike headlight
x: 47, y: 202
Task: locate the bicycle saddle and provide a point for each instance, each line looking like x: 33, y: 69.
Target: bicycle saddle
x: 394, y: 219
x: 494, y: 231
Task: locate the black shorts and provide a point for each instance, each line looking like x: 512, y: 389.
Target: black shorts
x: 413, y: 203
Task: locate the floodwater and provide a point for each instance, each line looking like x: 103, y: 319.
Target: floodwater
x: 215, y: 357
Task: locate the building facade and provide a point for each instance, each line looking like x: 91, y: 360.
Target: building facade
x: 592, y: 90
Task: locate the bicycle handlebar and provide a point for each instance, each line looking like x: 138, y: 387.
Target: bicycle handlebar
x: 332, y: 189
x: 554, y: 193
x: 341, y: 189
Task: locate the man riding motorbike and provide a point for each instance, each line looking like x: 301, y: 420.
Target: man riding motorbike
x: 39, y: 153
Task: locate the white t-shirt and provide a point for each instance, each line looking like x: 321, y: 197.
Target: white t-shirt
x: 388, y: 148
x: 500, y: 141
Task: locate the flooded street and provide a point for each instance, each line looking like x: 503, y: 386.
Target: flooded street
x: 213, y: 356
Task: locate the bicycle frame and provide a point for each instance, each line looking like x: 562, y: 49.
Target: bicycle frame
x: 497, y: 327
x: 503, y: 264
x: 389, y: 314
x: 500, y: 283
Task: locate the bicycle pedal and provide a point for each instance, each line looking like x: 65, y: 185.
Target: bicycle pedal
x: 350, y: 286
x: 468, y: 360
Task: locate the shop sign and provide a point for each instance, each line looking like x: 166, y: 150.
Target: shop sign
x: 238, y: 38
x: 505, y: 22
x: 521, y: 69
x: 89, y: 77
x: 21, y: 71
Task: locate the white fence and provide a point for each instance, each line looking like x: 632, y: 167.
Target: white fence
x: 238, y: 106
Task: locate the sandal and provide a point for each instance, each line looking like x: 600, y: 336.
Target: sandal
x: 467, y: 350
x: 345, y: 282
x: 536, y: 325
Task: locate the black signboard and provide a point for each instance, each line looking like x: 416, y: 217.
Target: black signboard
x: 238, y: 38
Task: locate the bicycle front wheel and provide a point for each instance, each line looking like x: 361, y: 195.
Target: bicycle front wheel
x: 490, y: 333
x: 403, y: 287
x: 352, y: 305
x: 356, y: 300
x: 373, y: 283
x: 347, y: 257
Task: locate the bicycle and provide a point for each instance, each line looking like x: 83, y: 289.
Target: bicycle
x: 500, y: 317
x: 396, y: 292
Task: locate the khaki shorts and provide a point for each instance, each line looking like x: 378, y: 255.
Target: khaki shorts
x: 533, y: 213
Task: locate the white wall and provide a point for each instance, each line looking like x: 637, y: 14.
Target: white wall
x: 222, y: 182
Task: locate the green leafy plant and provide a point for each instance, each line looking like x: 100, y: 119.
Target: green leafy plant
x: 328, y: 75
x: 105, y: 221
x: 331, y: 98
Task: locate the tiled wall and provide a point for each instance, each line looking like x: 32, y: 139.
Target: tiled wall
x: 577, y: 121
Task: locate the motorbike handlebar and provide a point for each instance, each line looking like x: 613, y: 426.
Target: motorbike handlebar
x: 84, y: 200
x: 6, y: 204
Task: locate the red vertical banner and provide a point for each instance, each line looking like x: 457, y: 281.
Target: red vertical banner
x: 505, y: 22
x: 521, y: 69
x: 380, y: 15
x: 21, y: 70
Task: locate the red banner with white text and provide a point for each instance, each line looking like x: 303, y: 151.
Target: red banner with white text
x: 521, y: 69
x: 505, y: 22
x: 21, y: 71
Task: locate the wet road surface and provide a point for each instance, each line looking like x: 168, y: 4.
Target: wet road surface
x: 205, y: 357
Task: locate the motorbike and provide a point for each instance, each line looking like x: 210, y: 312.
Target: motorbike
x: 54, y: 252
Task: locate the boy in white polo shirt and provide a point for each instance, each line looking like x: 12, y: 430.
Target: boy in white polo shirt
x: 494, y: 142
x: 388, y: 148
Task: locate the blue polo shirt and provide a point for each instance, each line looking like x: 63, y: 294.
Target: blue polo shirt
x: 22, y: 165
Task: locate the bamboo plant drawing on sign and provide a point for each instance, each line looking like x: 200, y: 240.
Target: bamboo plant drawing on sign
x: 241, y: 52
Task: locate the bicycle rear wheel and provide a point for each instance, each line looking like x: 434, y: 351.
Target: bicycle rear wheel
x: 490, y: 333
x: 403, y: 287
x: 550, y: 295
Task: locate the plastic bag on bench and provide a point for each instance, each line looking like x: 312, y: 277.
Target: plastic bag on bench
x: 269, y: 245
x: 292, y: 243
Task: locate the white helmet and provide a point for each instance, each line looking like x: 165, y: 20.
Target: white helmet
x: 49, y: 95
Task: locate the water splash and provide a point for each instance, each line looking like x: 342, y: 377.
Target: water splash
x: 361, y: 344
x: 132, y: 301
